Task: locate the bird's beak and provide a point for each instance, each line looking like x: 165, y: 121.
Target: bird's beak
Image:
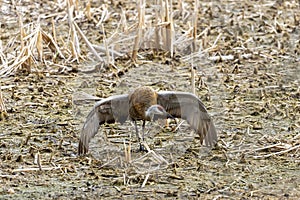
x: 170, y: 116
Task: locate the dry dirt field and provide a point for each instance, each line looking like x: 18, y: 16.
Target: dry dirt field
x: 58, y: 57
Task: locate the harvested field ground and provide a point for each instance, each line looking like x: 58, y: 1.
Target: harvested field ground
x: 245, y: 63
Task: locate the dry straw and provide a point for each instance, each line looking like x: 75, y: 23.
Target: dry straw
x: 3, y: 113
x: 141, y: 24
x: 153, y: 29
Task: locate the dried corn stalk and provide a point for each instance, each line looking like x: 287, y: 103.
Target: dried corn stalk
x: 141, y: 11
x: 26, y: 59
x: 75, y: 47
x: 3, y: 113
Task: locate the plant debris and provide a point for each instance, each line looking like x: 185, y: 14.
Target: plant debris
x: 241, y: 58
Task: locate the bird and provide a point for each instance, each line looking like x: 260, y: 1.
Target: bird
x: 145, y: 104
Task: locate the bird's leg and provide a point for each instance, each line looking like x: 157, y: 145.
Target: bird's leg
x: 142, y: 148
x: 137, y: 131
x: 138, y: 135
x: 143, y: 130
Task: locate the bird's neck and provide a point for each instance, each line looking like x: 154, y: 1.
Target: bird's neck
x: 149, y: 115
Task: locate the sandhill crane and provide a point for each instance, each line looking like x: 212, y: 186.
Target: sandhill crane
x: 145, y: 104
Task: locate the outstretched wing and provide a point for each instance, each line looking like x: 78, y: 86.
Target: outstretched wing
x: 109, y: 110
x: 189, y: 107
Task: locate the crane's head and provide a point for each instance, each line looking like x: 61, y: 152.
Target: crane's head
x: 157, y: 111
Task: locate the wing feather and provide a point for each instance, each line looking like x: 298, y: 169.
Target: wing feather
x: 189, y: 107
x: 109, y: 110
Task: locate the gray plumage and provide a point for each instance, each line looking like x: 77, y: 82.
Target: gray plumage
x: 119, y: 108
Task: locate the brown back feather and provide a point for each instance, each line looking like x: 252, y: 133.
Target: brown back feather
x: 139, y: 101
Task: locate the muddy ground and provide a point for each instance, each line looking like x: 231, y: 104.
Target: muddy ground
x: 247, y: 75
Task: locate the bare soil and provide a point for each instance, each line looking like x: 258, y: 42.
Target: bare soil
x: 253, y: 97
